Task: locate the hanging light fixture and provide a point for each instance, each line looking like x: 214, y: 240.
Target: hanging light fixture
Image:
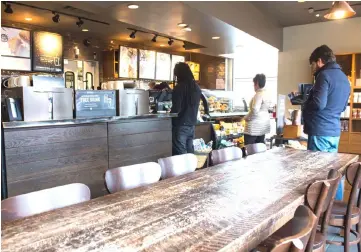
x: 8, y: 8
x: 132, y: 35
x: 340, y: 10
x: 80, y: 22
x: 56, y: 17
x: 154, y: 39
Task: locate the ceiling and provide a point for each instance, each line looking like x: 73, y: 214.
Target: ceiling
x: 290, y: 13
x: 159, y: 17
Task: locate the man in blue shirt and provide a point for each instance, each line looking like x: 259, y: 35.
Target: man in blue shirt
x: 327, y: 100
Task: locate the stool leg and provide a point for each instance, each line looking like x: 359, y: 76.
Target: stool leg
x: 359, y: 243
x: 347, y: 236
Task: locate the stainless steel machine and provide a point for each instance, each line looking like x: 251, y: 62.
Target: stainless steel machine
x: 40, y: 104
x: 131, y: 102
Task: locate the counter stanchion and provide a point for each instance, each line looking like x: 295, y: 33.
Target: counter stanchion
x: 4, y: 185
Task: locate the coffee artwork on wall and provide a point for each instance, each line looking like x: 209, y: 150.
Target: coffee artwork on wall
x: 47, y: 52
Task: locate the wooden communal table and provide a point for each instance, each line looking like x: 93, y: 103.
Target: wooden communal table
x: 229, y: 207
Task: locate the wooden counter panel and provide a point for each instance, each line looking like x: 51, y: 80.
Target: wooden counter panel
x: 139, y: 127
x: 55, y: 150
x: 37, y: 159
x: 139, y: 142
x: 118, y: 156
x: 139, y: 139
x: 30, y: 137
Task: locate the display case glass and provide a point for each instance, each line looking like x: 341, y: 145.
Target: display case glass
x: 222, y: 103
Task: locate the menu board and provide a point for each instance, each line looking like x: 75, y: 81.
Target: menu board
x: 146, y: 64
x: 175, y: 60
x: 163, y: 66
x: 15, y: 42
x: 15, y: 49
x: 195, y: 67
x: 128, y: 62
x: 47, y: 52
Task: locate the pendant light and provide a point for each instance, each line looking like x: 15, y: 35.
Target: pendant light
x: 340, y: 10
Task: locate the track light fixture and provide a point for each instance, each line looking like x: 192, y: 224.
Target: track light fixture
x: 170, y: 42
x: 80, y: 22
x: 132, y: 35
x: 8, y: 8
x: 56, y: 17
x: 154, y: 39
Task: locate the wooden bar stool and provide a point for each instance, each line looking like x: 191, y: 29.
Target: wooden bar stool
x: 225, y: 155
x: 319, y: 198
x: 178, y: 165
x: 345, y: 215
x: 300, y: 228
x: 132, y: 176
x: 255, y: 148
x: 28, y: 204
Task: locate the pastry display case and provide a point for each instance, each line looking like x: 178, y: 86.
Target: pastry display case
x: 220, y: 104
x: 225, y: 109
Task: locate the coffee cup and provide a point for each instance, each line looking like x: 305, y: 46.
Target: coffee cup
x: 103, y: 86
x: 118, y: 85
x: 23, y: 81
x: 110, y: 85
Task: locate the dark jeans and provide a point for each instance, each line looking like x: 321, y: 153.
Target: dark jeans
x: 182, y: 139
x: 248, y: 139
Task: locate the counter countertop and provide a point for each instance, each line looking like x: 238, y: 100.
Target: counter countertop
x: 22, y: 124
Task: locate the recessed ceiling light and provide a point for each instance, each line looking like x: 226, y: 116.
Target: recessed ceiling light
x: 28, y: 19
x: 133, y: 6
x: 301, y: 1
x: 85, y: 30
x: 111, y: 41
x: 162, y: 45
x: 128, y: 38
x: 182, y: 24
x: 187, y: 29
x: 317, y: 15
x: 216, y: 37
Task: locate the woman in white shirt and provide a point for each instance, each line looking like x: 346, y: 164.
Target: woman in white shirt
x: 258, y: 119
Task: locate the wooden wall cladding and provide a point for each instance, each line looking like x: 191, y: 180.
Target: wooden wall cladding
x: 139, y: 141
x: 42, y: 158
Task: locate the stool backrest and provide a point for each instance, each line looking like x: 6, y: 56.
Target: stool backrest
x: 28, y: 204
x: 319, y: 198
x: 178, y: 165
x: 255, y: 148
x: 302, y: 225
x: 225, y: 155
x: 132, y: 176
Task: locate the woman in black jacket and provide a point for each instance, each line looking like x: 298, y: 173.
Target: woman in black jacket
x: 185, y: 101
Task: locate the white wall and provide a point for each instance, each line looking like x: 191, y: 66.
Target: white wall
x: 253, y: 59
x: 342, y: 36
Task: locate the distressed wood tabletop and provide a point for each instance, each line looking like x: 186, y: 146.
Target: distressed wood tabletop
x: 229, y: 207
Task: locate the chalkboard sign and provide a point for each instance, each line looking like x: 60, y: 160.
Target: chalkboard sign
x: 99, y: 103
x: 47, y: 52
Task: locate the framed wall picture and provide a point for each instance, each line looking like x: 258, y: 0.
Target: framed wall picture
x: 47, y: 53
x: 15, y: 49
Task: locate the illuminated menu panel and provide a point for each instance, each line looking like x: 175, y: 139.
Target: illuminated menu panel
x: 15, y: 49
x: 47, y: 52
x: 128, y: 62
x: 195, y: 67
x: 163, y: 66
x: 175, y: 60
x: 146, y: 64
